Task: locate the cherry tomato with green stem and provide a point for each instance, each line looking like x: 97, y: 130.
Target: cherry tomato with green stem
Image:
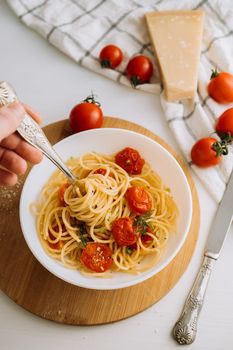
x: 139, y: 70
x: 224, y: 125
x: 220, y: 87
x: 110, y: 56
x: 208, y: 152
x: 86, y: 115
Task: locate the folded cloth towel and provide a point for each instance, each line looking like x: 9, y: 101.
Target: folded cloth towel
x: 81, y: 28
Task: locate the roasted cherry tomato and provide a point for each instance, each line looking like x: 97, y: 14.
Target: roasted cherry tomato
x: 204, y: 153
x: 58, y: 245
x: 138, y: 199
x: 123, y: 231
x: 133, y: 246
x: 110, y: 56
x: 61, y: 193
x: 220, y: 87
x: 97, y: 257
x: 86, y: 115
x: 224, y: 123
x: 130, y: 160
x: 146, y: 239
x: 139, y: 70
x: 100, y: 171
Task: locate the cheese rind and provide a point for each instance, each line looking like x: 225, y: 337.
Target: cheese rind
x: 176, y: 37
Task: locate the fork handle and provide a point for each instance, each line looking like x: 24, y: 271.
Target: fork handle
x: 31, y: 131
x: 185, y: 329
x: 28, y: 129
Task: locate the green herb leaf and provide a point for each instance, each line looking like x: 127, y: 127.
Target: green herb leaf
x: 129, y: 250
x: 141, y: 224
x: 82, y: 232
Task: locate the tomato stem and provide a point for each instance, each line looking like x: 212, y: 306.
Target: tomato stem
x: 221, y: 147
x: 214, y: 73
x: 135, y: 80
x: 106, y: 63
x: 226, y: 136
x: 91, y: 99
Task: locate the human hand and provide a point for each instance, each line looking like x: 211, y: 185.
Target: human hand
x: 14, y: 151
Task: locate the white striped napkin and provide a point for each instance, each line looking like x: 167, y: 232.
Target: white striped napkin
x: 80, y: 28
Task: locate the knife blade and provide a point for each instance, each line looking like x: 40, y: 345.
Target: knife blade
x: 185, y: 329
x: 221, y: 223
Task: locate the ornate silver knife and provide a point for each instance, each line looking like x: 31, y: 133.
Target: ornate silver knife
x: 185, y: 328
x: 32, y: 132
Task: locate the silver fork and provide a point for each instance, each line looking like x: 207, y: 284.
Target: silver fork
x: 32, y: 132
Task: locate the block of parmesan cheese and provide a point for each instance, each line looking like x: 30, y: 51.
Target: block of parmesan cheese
x: 176, y: 37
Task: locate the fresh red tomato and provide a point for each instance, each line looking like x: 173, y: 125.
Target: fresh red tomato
x: 86, y: 115
x: 204, y: 153
x: 61, y: 193
x: 220, y: 87
x: 224, y: 123
x: 130, y: 160
x: 97, y: 257
x: 138, y: 199
x: 110, y: 56
x: 139, y: 70
x: 123, y: 231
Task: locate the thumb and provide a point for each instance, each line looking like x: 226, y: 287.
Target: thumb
x: 10, y: 118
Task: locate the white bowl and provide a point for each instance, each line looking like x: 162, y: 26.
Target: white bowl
x: 108, y: 141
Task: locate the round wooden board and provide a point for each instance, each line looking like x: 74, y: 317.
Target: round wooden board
x: 31, y: 286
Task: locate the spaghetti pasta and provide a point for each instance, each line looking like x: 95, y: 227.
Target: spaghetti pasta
x: 93, y: 212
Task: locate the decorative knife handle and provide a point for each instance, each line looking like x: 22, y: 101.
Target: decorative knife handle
x: 185, y: 328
